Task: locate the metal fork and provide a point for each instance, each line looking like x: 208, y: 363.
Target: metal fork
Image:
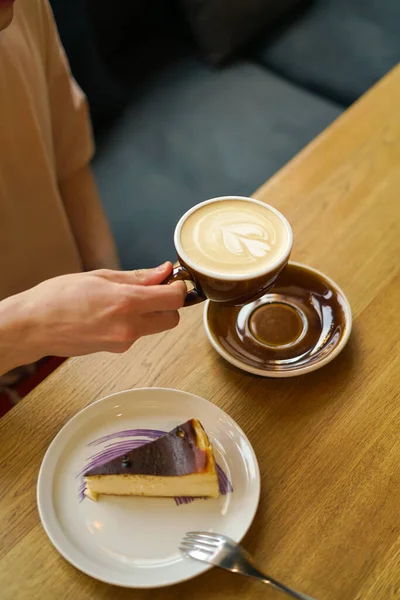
x: 223, y: 552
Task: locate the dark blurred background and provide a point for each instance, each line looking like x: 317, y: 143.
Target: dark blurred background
x: 192, y: 99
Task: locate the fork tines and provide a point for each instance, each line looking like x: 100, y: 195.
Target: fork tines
x: 198, y: 540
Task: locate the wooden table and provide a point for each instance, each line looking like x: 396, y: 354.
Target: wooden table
x: 328, y: 443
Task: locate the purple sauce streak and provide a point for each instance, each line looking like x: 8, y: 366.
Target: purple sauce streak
x: 114, y: 449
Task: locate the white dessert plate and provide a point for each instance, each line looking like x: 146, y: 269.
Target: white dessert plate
x: 133, y: 542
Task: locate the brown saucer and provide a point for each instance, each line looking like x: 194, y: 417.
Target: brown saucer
x: 299, y: 326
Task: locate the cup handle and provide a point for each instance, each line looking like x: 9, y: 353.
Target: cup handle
x: 180, y: 273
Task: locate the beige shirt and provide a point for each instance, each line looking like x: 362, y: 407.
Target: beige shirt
x: 45, y: 136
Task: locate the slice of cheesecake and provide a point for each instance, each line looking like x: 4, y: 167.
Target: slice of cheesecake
x: 180, y: 463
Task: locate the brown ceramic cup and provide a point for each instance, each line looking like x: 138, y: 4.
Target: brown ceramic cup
x: 232, y: 289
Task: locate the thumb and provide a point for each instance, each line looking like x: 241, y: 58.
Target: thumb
x: 139, y: 277
x: 151, y: 276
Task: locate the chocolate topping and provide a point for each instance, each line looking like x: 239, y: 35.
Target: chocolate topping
x: 175, y: 453
x: 125, y: 462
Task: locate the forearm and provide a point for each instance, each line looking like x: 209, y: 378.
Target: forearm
x: 17, y: 344
x: 88, y: 221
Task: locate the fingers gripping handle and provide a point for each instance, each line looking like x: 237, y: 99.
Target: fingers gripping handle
x: 179, y: 273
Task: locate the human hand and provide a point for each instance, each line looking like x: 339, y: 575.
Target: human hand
x: 98, y: 311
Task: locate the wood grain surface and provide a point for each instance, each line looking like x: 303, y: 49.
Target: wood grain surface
x: 328, y: 443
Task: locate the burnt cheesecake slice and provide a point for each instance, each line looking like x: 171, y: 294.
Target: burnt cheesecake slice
x: 180, y: 463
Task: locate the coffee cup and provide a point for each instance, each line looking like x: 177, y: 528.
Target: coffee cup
x: 231, y: 250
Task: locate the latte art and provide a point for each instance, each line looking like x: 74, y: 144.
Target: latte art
x: 234, y: 236
x: 246, y: 240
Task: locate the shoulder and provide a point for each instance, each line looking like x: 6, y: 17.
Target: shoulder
x: 34, y: 19
x: 30, y: 12
x: 34, y: 16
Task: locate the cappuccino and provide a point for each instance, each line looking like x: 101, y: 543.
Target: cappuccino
x: 234, y: 237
